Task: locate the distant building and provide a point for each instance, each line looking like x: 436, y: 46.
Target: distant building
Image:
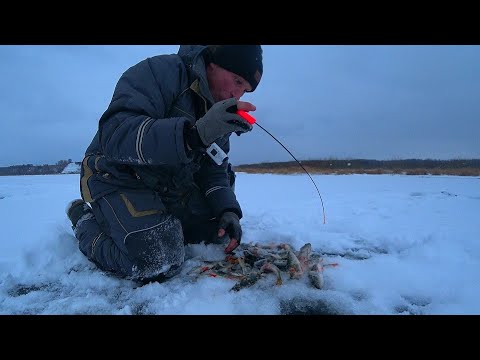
x: 72, y: 168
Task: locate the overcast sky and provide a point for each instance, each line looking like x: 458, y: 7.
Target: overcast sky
x: 375, y: 102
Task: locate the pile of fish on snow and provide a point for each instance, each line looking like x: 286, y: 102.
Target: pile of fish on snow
x: 255, y: 261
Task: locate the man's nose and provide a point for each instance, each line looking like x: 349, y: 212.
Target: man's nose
x: 238, y: 94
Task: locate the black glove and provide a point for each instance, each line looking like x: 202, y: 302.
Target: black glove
x: 220, y: 120
x: 230, y: 222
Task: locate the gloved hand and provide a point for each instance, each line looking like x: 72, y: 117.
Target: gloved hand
x: 229, y: 223
x: 220, y: 120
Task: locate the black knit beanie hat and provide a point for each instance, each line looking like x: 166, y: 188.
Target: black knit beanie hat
x: 243, y: 60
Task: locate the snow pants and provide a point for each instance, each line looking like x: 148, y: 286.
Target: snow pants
x: 132, y: 234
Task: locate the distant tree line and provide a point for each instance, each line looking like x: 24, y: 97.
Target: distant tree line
x: 372, y: 164
x: 30, y: 169
x: 467, y: 167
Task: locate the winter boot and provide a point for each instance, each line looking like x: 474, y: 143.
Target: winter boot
x: 76, y: 209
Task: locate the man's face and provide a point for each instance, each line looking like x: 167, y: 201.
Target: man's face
x: 225, y: 84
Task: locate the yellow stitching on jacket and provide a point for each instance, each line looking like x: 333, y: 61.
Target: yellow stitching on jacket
x: 96, y: 162
x: 196, y: 88
x: 87, y: 196
x: 133, y: 211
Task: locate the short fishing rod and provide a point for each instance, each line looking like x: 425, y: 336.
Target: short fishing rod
x: 251, y: 120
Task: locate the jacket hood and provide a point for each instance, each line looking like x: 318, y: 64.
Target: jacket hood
x: 193, y: 57
x: 190, y: 52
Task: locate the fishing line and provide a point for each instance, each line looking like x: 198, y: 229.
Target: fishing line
x: 323, y: 208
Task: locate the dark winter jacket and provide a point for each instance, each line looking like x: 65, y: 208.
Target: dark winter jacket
x: 140, y: 139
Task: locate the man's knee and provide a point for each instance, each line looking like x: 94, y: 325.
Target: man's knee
x: 156, y: 251
x: 139, y: 239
